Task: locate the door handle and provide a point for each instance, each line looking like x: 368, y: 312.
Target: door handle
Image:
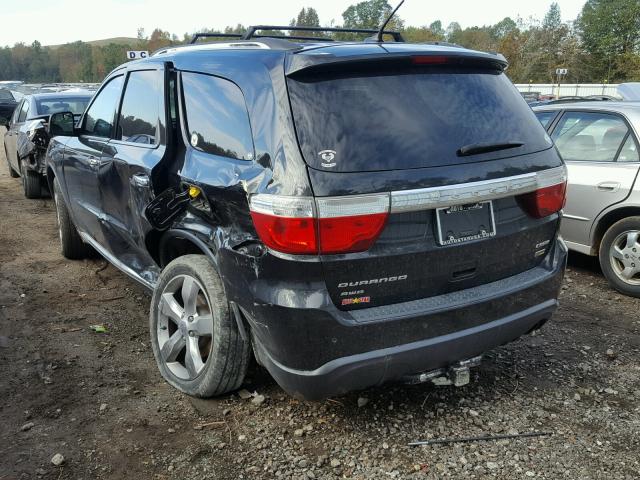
x: 141, y: 180
x: 608, y: 186
x: 93, y: 161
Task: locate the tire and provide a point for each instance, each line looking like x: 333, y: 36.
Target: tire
x: 12, y: 172
x: 71, y: 243
x: 211, y: 335
x: 31, y: 183
x: 620, y: 256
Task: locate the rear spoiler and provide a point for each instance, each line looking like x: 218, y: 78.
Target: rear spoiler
x: 315, y: 62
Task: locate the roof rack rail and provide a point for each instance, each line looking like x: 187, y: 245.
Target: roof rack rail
x: 251, y: 32
x: 195, y: 38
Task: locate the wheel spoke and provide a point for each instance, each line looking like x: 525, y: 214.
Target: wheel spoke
x: 632, y: 239
x: 192, y: 359
x: 190, y: 291
x: 203, y: 325
x: 172, y: 347
x: 170, y: 307
x: 628, y: 272
x: 616, y: 252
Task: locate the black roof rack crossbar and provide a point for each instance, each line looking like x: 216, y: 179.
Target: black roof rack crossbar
x: 195, y: 38
x: 295, y: 37
x: 251, y: 31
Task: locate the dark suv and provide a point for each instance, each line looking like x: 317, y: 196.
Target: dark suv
x: 350, y: 212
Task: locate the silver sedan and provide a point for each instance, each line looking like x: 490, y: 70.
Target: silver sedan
x: 599, y: 143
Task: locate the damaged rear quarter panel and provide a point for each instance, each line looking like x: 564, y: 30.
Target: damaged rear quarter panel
x: 227, y: 183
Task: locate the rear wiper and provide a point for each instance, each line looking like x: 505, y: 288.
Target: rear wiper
x: 476, y: 148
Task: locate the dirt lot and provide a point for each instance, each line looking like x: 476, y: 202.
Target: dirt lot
x: 98, y: 400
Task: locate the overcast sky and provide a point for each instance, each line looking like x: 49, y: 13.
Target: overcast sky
x: 60, y: 21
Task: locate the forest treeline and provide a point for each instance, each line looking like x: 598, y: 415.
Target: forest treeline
x: 601, y: 45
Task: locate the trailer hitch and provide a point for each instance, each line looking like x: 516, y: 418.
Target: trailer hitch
x: 457, y: 374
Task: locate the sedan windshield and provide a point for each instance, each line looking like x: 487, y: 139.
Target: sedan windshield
x: 6, y: 95
x: 75, y: 105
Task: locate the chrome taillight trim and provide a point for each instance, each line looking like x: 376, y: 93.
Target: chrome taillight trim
x: 448, y: 195
x: 282, y: 206
x: 352, y: 205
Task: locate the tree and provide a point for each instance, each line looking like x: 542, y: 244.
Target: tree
x: 370, y: 14
x: 610, y: 31
x: 308, y: 17
x: 436, y: 29
x: 553, y: 18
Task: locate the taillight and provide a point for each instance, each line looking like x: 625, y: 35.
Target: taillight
x: 547, y: 199
x: 336, y: 224
x: 285, y: 224
x: 351, y: 224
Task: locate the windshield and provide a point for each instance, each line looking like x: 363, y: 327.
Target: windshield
x: 418, y: 118
x: 75, y: 105
x: 6, y: 95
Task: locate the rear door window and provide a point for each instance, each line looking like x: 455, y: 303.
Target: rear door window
x: 545, y: 118
x: 99, y: 119
x: 590, y: 136
x: 24, y: 110
x: 138, y: 121
x: 409, y: 118
x: 629, y: 152
x: 216, y: 116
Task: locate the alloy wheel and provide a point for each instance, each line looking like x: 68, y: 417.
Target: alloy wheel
x: 184, y: 327
x: 625, y: 257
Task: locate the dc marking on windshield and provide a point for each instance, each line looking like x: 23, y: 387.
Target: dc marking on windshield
x: 327, y: 157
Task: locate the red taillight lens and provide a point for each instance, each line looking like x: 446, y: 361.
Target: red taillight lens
x: 302, y: 225
x: 544, y: 201
x: 350, y: 234
x: 286, y: 234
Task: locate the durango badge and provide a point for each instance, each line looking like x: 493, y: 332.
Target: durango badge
x: 327, y: 157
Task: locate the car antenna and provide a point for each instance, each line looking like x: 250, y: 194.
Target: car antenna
x: 384, y: 25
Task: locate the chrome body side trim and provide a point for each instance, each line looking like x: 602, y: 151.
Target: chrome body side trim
x: 115, y: 262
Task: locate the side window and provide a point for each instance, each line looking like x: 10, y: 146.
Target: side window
x: 589, y: 136
x: 545, y: 118
x: 629, y: 152
x: 140, y: 108
x: 216, y: 115
x: 98, y: 121
x: 24, y: 111
x: 16, y: 112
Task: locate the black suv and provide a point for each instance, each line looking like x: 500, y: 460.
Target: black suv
x: 350, y: 212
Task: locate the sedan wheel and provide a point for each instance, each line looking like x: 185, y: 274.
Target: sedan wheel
x: 620, y: 256
x: 625, y: 257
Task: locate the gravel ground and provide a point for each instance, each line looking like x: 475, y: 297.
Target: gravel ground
x: 97, y: 399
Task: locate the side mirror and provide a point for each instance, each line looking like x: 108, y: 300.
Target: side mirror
x: 61, y: 123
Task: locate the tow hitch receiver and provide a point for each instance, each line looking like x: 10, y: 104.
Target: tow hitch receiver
x: 457, y: 374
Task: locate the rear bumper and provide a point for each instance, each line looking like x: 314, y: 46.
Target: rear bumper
x: 374, y: 368
x: 319, y: 352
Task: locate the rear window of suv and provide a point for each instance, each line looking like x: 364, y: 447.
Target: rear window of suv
x: 409, y: 119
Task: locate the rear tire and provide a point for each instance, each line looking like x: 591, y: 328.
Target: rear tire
x: 12, y: 172
x: 31, y: 183
x: 194, y: 335
x: 620, y: 256
x: 71, y: 243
